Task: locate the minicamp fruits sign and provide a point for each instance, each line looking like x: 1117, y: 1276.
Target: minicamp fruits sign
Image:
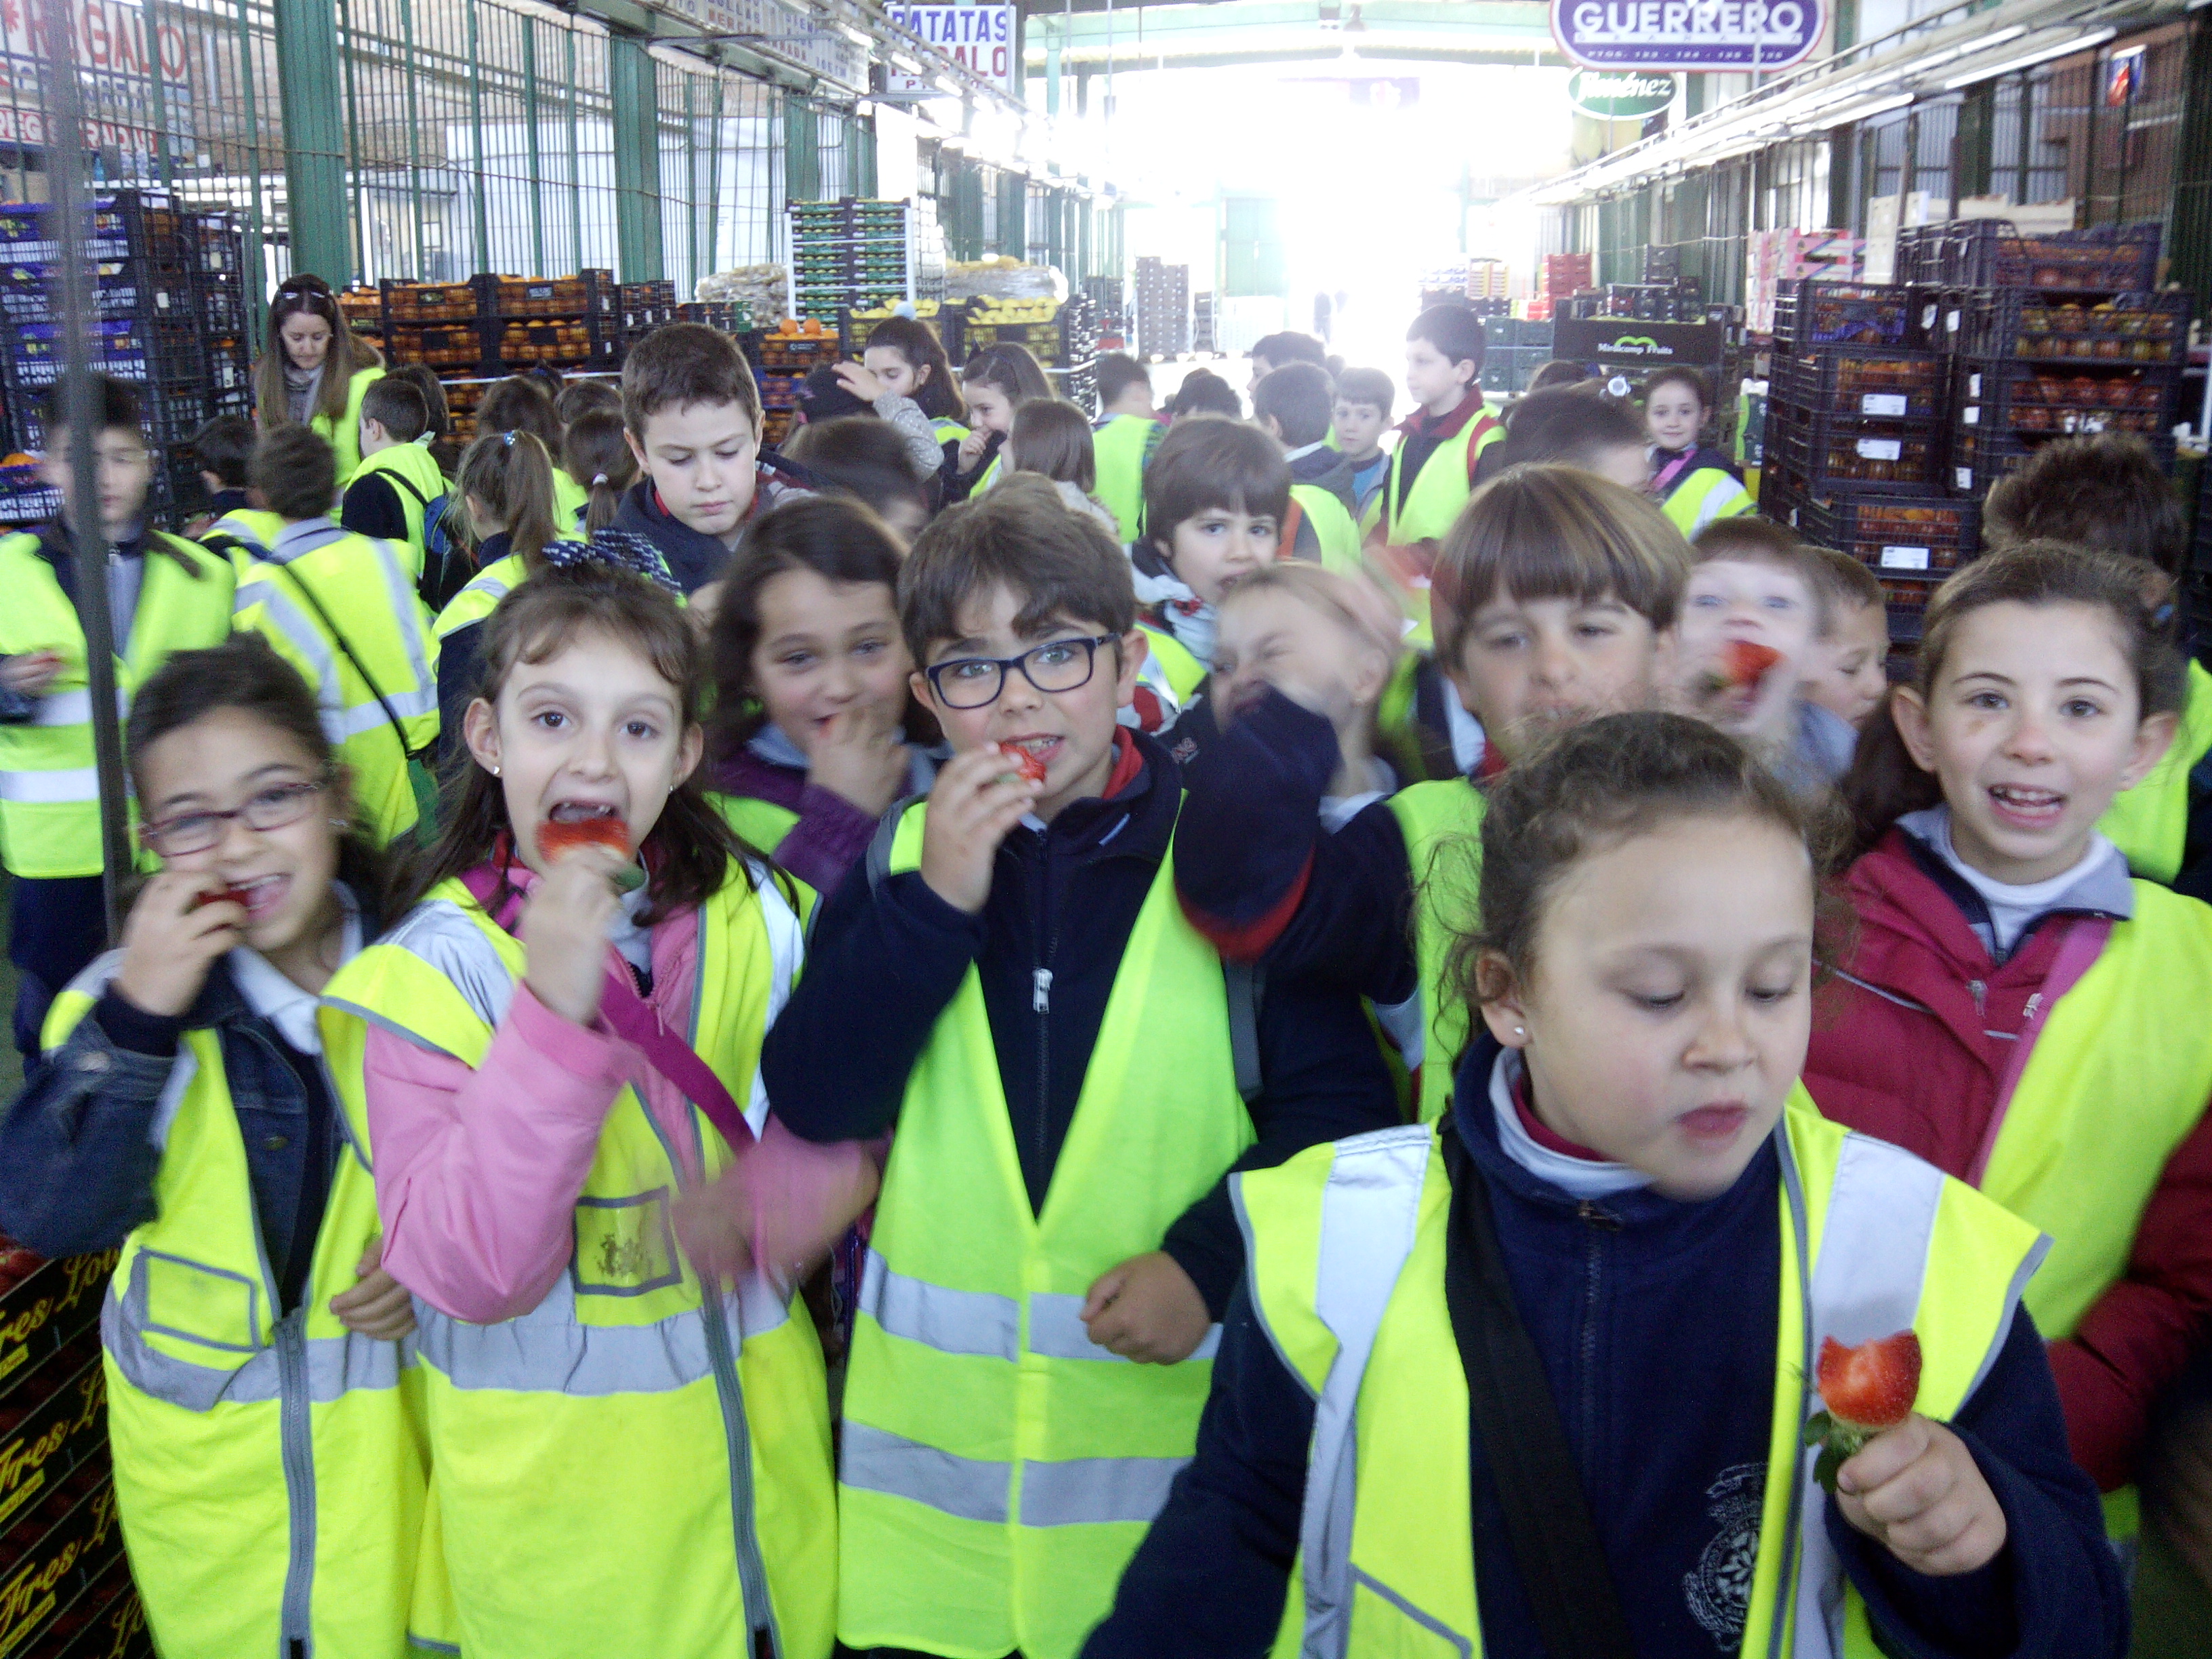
x: 1687, y: 35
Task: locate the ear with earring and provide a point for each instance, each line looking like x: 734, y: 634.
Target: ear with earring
x: 1520, y: 1030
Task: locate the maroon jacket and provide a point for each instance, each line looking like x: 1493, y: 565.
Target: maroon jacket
x: 1911, y: 1041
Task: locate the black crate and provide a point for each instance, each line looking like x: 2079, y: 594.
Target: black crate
x: 1908, y: 536
x: 128, y: 224
x: 1811, y: 311
x: 125, y: 347
x: 2101, y: 260
x: 26, y: 498
x: 2049, y: 326
x: 1978, y: 458
x: 173, y: 408
x: 1820, y: 453
x: 2035, y: 400
x: 1886, y: 383
x: 30, y: 291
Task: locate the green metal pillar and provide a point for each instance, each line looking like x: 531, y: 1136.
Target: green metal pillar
x: 633, y: 89
x: 802, y: 151
x: 308, y: 83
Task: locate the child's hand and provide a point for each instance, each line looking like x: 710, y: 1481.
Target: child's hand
x: 856, y: 754
x: 378, y: 1306
x: 861, y: 381
x: 29, y: 671
x: 1148, y: 1309
x: 972, y: 448
x: 978, y: 797
x: 564, y: 932
x: 1917, y: 1491
x: 171, y: 940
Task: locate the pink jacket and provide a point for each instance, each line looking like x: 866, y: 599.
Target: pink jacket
x: 478, y: 1171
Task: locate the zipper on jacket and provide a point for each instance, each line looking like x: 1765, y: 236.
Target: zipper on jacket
x: 1981, y: 991
x: 1600, y: 1221
x: 1040, y: 998
x: 752, y: 1572
x: 295, y: 1437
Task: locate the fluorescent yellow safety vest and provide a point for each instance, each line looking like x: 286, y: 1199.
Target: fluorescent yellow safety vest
x: 1442, y: 823
x: 761, y: 823
x: 481, y: 596
x: 1122, y: 447
x: 417, y: 481
x: 1440, y: 488
x: 1704, y: 496
x: 1183, y: 670
x: 343, y: 433
x: 633, y: 1466
x: 269, y: 1471
x: 570, y: 501
x: 2150, y: 821
x: 1333, y: 528
x: 1346, y: 1247
x: 49, y: 784
x: 946, y: 430
x: 998, y: 1469
x: 363, y: 587
x: 243, y: 535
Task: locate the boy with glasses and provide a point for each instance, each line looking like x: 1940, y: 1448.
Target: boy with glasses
x: 1071, y: 1077
x: 164, y: 595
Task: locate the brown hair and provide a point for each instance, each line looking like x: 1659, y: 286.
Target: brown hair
x: 938, y: 394
x: 348, y: 355
x: 511, y: 474
x: 397, y: 407
x: 1013, y: 369
x: 597, y: 455
x: 685, y: 363
x: 838, y: 538
x: 1557, y: 532
x: 245, y: 673
x: 1208, y: 463
x: 1574, y: 425
x: 1746, y: 540
x: 1556, y: 372
x: 1052, y: 436
x: 295, y: 471
x: 519, y: 403
x: 2103, y: 491
x: 1587, y: 789
x: 1017, y: 535
x: 1844, y: 582
x: 859, y: 456
x: 580, y: 397
x: 1885, y: 783
x: 1682, y: 374
x: 1300, y: 396
x: 687, y: 853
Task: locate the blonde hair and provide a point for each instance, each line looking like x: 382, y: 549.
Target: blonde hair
x: 1335, y: 596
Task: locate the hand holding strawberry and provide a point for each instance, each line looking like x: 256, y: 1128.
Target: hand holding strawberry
x: 1027, y: 767
x: 1866, y: 1389
x: 1741, y: 665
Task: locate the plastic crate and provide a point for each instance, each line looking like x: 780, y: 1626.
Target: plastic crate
x: 1979, y: 457
x: 130, y: 224
x: 1899, y: 383
x: 1822, y: 452
x: 534, y: 296
x: 30, y: 290
x: 453, y: 345
x: 1907, y: 601
x: 2103, y: 259
x: 1810, y: 312
x: 1897, y: 536
x: 124, y: 347
x: 26, y: 498
x: 575, y: 342
x: 2051, y: 400
x: 428, y: 302
x: 2041, y: 325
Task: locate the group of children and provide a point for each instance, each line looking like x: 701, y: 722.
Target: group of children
x: 1306, y: 1080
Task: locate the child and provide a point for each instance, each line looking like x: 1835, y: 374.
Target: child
x: 506, y: 483
x: 520, y: 403
x: 221, y: 447
x: 1273, y: 351
x: 580, y: 397
x: 1695, y: 484
x: 514, y: 1040
x: 1013, y: 947
x: 1572, y: 427
x: 693, y: 413
x: 1359, y: 417
x: 341, y: 610
x: 1128, y: 433
x: 1849, y: 672
x: 184, y: 1114
x: 316, y: 369
x: 1558, y: 371
x: 595, y: 454
x: 862, y: 458
x: 1433, y: 467
x: 871, y: 395
x: 907, y: 360
x: 164, y: 595
x: 1292, y: 406
x: 1205, y: 392
x: 995, y: 381
x: 1569, y: 1337
x: 2108, y: 491
x: 397, y: 483
x: 439, y: 430
x: 1753, y: 586
x: 1052, y: 439
x: 2014, y: 1009
x: 810, y: 694
x: 1560, y: 596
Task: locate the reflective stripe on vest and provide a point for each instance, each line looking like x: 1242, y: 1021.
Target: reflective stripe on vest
x: 1702, y: 496
x: 49, y: 783
x: 1441, y: 823
x: 250, y: 533
x: 1333, y: 529
x: 267, y: 1465
x: 481, y: 596
x: 1122, y: 447
x: 2150, y: 822
x: 998, y: 1469
x: 1346, y: 1260
x: 628, y: 1347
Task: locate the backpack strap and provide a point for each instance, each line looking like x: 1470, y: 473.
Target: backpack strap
x: 1248, y: 986
x: 1293, y: 521
x: 345, y: 646
x: 880, y: 844
x: 1483, y: 422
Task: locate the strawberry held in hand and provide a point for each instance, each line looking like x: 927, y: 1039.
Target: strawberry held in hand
x: 1030, y: 768
x: 1743, y: 664
x: 557, y: 836
x: 1866, y: 1389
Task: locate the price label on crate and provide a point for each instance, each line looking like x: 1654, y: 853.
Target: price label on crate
x: 1963, y: 477
x: 1881, y: 449
x: 1905, y: 558
x: 1971, y: 415
x: 1884, y: 403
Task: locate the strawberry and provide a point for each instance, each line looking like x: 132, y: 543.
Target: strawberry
x: 556, y: 837
x: 1030, y: 768
x: 222, y: 896
x: 1743, y: 664
x: 1866, y: 1389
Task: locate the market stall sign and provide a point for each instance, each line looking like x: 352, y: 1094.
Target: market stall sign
x: 1688, y: 34
x: 1618, y: 94
x: 1635, y: 342
x: 981, y: 39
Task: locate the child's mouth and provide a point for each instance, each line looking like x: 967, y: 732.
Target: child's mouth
x: 2022, y: 808
x: 261, y: 895
x: 1714, y: 1125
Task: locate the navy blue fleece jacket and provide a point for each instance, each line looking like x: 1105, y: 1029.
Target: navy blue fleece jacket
x: 1663, y: 1368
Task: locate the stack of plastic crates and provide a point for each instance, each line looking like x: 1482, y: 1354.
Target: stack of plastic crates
x: 780, y: 360
x: 1061, y: 334
x: 1855, y: 440
x: 854, y: 254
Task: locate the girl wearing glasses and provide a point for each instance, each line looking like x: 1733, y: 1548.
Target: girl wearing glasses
x: 252, y: 1340
x: 316, y: 369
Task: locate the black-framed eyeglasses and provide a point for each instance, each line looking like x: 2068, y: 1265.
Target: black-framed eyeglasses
x: 1056, y: 665
x: 274, y: 808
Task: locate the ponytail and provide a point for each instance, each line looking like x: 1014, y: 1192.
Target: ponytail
x: 511, y: 474
x: 596, y: 453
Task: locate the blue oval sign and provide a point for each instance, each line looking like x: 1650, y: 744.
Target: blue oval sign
x: 1688, y: 34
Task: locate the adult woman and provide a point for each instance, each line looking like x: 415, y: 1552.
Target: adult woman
x: 315, y: 370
